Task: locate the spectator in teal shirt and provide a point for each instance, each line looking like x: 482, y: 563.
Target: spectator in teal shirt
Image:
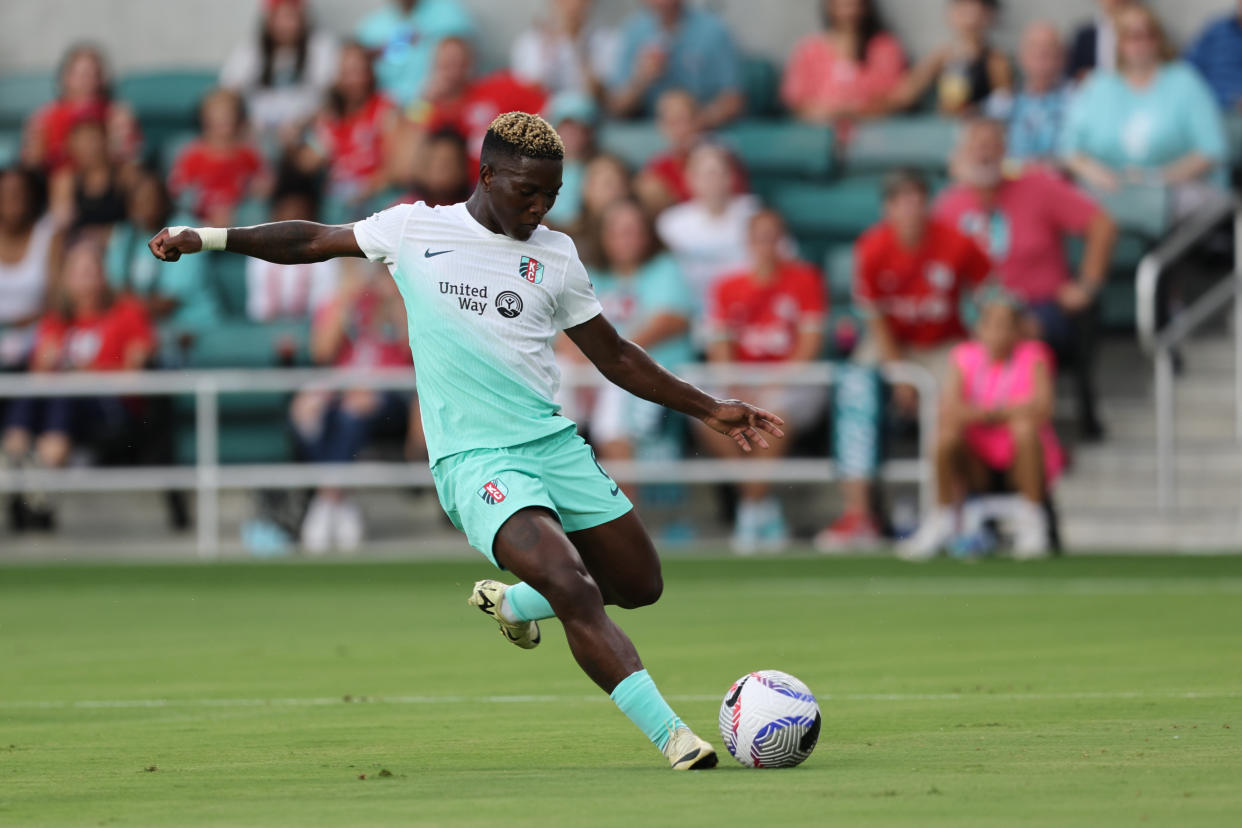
x: 404, y: 35
x: 643, y: 293
x: 1217, y: 54
x: 1153, y: 122
x: 179, y: 295
x: 669, y: 45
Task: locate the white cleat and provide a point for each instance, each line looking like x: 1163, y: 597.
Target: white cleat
x: 931, y: 537
x: 489, y: 595
x: 1030, y: 536
x: 685, y: 751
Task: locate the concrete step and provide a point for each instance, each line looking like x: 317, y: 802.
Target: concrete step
x: 1151, y: 532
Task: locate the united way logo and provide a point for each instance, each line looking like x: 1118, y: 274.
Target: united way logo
x: 531, y: 270
x: 494, y: 492
x: 509, y: 304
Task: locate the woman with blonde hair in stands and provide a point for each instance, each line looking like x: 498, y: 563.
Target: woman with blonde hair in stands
x: 995, y: 422
x: 1154, y: 121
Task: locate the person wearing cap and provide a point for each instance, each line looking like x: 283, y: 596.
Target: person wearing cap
x: 995, y: 429
x: 574, y: 114
x: 912, y: 272
x: 284, y: 72
x: 566, y: 51
x: 403, y: 36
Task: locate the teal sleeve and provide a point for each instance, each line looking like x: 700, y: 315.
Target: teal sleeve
x: 187, y: 281
x: 1203, y: 119
x: 116, y: 258
x: 668, y: 290
x: 627, y: 55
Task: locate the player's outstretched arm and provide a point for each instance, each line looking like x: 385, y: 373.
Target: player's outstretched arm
x: 282, y: 242
x: 629, y: 366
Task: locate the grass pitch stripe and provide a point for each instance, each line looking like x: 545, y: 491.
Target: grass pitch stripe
x: 329, y: 701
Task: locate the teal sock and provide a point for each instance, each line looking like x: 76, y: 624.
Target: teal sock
x: 638, y: 698
x: 523, y: 603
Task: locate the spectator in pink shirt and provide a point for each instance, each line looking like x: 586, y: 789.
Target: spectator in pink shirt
x: 1022, y: 220
x: 846, y: 72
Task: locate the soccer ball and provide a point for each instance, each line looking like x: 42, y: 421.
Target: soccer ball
x: 769, y: 719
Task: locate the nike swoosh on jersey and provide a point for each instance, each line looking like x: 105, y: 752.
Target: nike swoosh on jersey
x: 427, y: 254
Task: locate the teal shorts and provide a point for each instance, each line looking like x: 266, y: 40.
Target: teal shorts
x: 481, y: 489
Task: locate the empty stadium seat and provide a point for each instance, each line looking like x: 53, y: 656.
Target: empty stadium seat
x: 170, y: 96
x: 10, y: 146
x: 779, y: 148
x: 920, y: 141
x: 839, y: 211
x: 23, y: 93
x: 761, y: 81
x: 632, y: 141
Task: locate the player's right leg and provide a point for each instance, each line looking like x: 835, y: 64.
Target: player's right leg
x: 533, y: 546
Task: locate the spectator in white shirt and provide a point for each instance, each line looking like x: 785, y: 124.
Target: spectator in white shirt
x: 707, y: 234
x: 283, y: 73
x: 566, y: 51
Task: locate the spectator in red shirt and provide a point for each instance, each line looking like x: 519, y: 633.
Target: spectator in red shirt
x: 363, y: 327
x: 773, y: 314
x: 1023, y: 221
x: 91, y: 330
x: 85, y: 94
x: 215, y: 173
x: 912, y: 274
x: 351, y: 135
x: 663, y: 181
x: 454, y: 98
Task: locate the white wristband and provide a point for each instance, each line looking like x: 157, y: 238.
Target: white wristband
x: 213, y: 238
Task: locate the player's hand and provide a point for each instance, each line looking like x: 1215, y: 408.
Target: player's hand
x: 168, y: 248
x: 744, y: 422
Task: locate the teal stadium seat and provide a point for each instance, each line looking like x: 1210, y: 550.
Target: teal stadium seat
x: 10, y: 146
x: 761, y: 81
x: 634, y: 142
x: 837, y: 211
x: 781, y: 149
x: 21, y: 94
x: 166, y: 102
x: 254, y: 426
x: 1141, y: 210
x: 920, y: 141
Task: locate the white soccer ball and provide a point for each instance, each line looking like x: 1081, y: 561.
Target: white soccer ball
x: 769, y: 719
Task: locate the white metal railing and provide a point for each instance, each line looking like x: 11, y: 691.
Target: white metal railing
x: 1161, y: 343
x: 208, y: 477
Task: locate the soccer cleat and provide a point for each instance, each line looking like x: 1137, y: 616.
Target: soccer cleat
x: 851, y: 532
x: 685, y: 751
x: 488, y: 595
x: 932, y: 536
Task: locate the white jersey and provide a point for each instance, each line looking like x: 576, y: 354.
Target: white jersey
x: 483, y: 312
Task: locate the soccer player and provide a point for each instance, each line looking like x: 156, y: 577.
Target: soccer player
x: 486, y: 288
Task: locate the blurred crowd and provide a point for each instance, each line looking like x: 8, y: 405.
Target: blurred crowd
x: 970, y: 280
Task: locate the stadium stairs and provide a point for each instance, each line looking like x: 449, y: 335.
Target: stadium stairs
x: 1109, y: 498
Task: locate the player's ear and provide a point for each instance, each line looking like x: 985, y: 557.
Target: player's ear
x: 486, y: 173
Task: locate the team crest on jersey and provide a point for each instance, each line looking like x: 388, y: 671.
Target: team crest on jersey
x: 531, y: 270
x: 494, y: 492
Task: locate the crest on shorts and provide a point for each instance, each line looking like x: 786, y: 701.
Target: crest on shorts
x: 531, y: 270
x: 494, y: 492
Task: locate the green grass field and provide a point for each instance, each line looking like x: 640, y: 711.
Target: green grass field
x: 1075, y: 692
